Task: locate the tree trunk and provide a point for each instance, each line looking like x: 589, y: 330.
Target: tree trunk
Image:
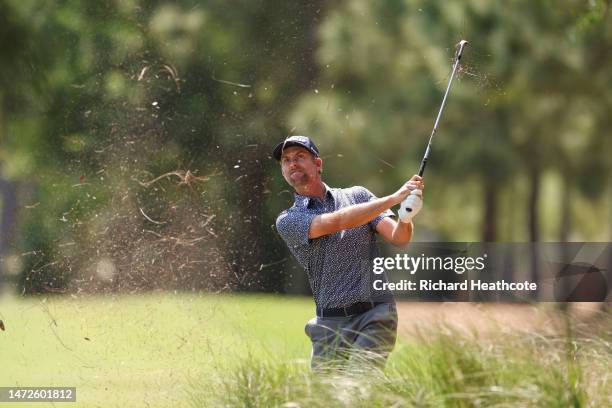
x: 566, y: 207
x: 534, y: 195
x: 564, y: 232
x: 605, y: 306
x: 489, y: 225
x: 8, y: 194
x: 534, y: 223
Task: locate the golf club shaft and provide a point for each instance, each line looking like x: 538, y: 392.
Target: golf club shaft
x: 458, y: 53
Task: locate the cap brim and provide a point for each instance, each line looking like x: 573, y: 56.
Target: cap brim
x: 278, y: 150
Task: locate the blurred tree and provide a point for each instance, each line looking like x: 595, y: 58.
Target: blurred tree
x: 146, y: 126
x: 529, y: 95
x: 133, y: 90
x: 17, y: 83
x: 386, y: 74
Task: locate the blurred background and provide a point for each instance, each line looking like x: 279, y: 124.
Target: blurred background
x: 135, y: 136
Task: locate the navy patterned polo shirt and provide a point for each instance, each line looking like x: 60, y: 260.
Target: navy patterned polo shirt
x: 339, y: 266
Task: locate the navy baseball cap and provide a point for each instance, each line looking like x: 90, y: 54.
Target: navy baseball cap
x: 301, y: 141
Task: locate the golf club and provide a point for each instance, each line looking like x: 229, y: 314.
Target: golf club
x: 407, y: 203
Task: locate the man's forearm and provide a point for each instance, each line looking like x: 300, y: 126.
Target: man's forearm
x: 402, y: 233
x: 360, y: 214
x: 350, y: 217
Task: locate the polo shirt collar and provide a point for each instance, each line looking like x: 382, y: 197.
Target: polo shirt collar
x: 305, y: 201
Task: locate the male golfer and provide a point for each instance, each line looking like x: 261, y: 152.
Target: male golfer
x: 331, y: 232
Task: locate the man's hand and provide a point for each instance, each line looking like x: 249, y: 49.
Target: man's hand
x: 412, y: 201
x: 400, y: 233
x: 411, y: 206
x: 415, y: 183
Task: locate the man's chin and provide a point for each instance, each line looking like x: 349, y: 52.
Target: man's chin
x: 299, y: 183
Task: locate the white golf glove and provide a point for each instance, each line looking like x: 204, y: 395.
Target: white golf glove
x: 410, y: 206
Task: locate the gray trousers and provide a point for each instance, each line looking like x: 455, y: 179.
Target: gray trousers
x: 349, y: 341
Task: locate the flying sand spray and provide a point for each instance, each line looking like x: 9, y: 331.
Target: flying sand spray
x: 408, y: 204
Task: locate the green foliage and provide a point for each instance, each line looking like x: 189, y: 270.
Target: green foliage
x: 165, y: 349
x: 441, y: 369
x: 517, y: 98
x: 113, y: 94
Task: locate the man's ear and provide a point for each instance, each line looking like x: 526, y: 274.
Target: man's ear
x: 319, y: 163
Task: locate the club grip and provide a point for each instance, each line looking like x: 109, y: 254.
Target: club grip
x: 409, y: 203
x: 422, y: 168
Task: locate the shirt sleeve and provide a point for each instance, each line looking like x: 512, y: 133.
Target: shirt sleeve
x: 366, y: 195
x: 293, y: 227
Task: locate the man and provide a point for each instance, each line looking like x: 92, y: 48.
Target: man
x: 331, y: 232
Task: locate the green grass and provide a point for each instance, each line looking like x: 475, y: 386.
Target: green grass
x: 145, y: 350
x: 251, y: 351
x: 439, y: 369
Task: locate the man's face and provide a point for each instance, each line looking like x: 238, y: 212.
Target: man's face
x: 299, y: 166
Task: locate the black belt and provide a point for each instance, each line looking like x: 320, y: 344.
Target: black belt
x: 353, y: 309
